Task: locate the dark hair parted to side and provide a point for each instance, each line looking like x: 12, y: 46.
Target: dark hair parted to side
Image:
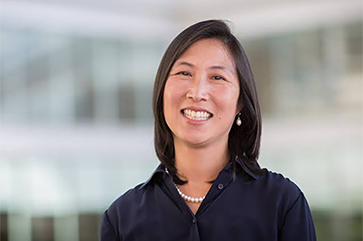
x: 244, y: 140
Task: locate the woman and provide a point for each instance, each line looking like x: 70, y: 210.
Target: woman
x: 209, y: 185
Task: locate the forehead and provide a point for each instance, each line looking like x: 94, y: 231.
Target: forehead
x: 208, y: 51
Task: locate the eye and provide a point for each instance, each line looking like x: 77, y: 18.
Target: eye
x: 184, y: 73
x: 217, y: 77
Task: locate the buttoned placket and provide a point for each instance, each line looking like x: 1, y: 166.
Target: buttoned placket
x: 220, y: 184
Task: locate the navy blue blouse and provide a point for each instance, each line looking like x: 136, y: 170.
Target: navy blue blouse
x: 252, y: 207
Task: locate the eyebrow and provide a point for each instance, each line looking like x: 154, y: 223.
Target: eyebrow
x: 221, y: 67
x: 184, y: 63
x: 212, y: 67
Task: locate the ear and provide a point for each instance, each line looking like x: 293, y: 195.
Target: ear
x: 239, y: 108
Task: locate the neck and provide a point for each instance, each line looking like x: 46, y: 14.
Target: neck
x: 200, y: 165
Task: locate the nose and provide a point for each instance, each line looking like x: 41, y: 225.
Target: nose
x: 198, y: 89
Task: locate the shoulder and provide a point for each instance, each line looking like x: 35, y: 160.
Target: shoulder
x: 127, y: 202
x: 134, y: 199
x: 281, y: 188
x: 279, y: 193
x: 129, y: 196
x: 121, y: 210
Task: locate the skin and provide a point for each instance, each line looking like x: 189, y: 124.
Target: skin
x: 203, y: 78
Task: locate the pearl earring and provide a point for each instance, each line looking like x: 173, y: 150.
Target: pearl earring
x: 239, y: 121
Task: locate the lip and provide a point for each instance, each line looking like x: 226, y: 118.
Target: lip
x: 195, y: 122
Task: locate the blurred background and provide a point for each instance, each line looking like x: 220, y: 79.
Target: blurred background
x: 76, y: 118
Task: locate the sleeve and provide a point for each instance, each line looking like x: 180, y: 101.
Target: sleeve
x: 107, y: 231
x: 298, y: 223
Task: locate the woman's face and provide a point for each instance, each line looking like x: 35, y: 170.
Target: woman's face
x: 201, y: 93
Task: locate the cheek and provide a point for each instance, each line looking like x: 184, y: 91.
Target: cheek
x: 172, y: 93
x: 227, y: 108
x: 167, y: 103
x: 227, y: 101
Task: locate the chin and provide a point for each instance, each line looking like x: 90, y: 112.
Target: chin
x: 196, y: 141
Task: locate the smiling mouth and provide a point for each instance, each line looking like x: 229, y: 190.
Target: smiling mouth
x: 196, y: 115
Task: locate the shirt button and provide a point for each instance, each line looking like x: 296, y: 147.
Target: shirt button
x: 194, y: 221
x: 220, y: 186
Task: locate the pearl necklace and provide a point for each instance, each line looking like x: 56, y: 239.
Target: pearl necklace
x: 186, y: 197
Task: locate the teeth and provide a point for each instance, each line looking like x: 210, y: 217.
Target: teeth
x: 196, y: 115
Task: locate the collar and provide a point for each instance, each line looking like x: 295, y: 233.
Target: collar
x: 245, y: 169
x: 160, y: 171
